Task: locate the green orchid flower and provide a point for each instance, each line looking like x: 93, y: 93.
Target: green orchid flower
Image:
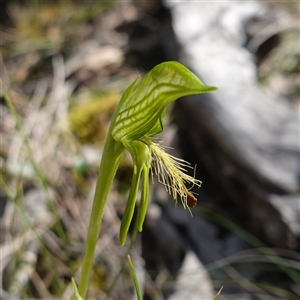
x: 137, y: 120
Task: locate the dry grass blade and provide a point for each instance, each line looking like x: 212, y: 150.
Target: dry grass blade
x: 218, y: 294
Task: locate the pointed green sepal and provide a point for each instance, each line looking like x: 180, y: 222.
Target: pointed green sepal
x: 141, y: 158
x: 144, y: 198
x: 129, y: 210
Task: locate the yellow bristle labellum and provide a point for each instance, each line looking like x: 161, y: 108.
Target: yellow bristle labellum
x: 171, y: 172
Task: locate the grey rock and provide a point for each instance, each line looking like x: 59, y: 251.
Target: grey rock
x: 241, y: 136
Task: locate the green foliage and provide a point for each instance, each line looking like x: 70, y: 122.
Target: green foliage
x: 76, y: 295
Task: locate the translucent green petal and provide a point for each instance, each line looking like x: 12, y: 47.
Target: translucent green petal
x: 143, y: 110
x: 128, y: 92
x: 158, y: 127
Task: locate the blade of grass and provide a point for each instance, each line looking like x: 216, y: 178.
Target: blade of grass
x: 218, y: 294
x: 250, y: 239
x: 135, y: 281
x: 275, y: 290
x: 114, y: 283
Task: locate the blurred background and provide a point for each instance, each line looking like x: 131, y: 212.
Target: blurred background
x: 65, y: 64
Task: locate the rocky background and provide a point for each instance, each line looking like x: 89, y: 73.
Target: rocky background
x: 65, y: 65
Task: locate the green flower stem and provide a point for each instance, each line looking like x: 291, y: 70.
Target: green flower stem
x: 112, y: 154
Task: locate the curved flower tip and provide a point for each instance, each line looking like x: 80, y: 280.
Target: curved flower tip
x: 141, y: 113
x: 137, y: 119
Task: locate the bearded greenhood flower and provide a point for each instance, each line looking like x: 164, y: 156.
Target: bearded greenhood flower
x: 138, y: 118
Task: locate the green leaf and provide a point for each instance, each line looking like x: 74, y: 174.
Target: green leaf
x: 135, y: 281
x: 76, y: 295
